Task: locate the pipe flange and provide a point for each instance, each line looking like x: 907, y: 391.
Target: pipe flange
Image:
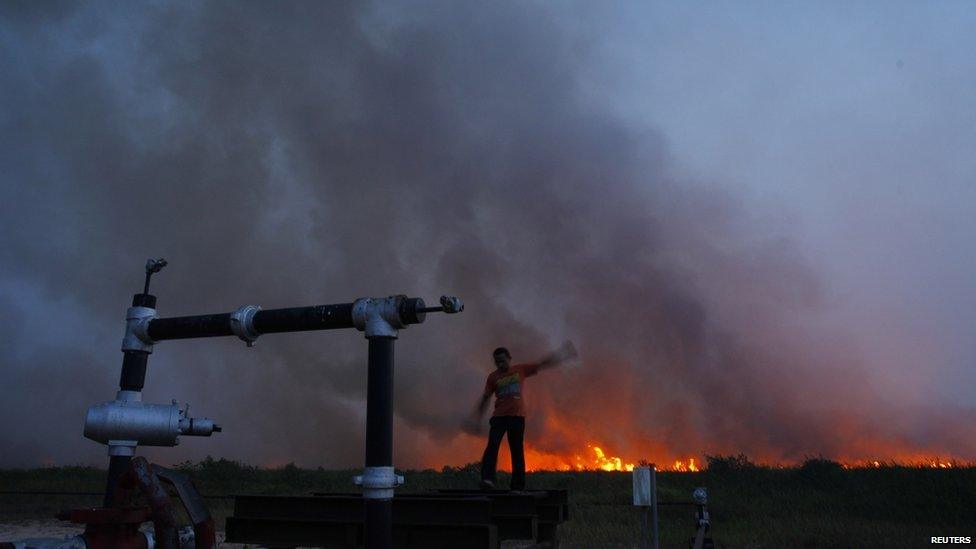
x: 378, y: 482
x: 136, y: 337
x: 378, y: 317
x: 122, y: 447
x: 242, y: 324
x: 128, y: 396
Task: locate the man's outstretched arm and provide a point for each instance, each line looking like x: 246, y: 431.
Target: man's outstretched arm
x: 565, y: 353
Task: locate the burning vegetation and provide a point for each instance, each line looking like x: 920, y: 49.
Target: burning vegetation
x: 596, y: 458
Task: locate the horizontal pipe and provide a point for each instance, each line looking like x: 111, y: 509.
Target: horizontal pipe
x: 295, y: 319
x: 186, y: 327
x: 300, y: 319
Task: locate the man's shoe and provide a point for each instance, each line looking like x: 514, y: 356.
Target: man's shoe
x: 486, y: 484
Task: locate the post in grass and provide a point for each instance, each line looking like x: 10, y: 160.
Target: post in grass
x: 645, y: 497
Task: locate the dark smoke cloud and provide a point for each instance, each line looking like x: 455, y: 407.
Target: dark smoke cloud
x: 293, y: 154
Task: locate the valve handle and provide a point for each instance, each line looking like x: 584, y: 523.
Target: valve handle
x: 152, y: 266
x: 155, y: 265
x: 449, y: 305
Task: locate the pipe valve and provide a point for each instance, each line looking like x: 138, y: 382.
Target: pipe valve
x: 130, y: 423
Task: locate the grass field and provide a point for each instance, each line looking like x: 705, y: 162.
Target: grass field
x: 819, y: 504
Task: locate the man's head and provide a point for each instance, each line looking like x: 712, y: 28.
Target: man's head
x: 502, y: 358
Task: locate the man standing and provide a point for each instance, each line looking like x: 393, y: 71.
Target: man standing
x: 509, y: 415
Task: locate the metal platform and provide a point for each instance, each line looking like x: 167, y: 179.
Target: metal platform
x: 443, y: 518
x: 550, y: 508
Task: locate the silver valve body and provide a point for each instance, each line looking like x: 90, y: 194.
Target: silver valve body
x: 127, y: 423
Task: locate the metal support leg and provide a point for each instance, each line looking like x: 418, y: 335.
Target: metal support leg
x: 378, y: 522
x: 654, y: 506
x: 644, y: 511
x: 117, y: 466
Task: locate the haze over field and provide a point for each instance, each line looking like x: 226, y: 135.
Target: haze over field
x: 755, y: 221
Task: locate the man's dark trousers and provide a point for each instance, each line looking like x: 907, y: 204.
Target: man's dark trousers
x: 515, y: 427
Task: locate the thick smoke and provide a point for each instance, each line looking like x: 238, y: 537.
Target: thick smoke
x: 285, y: 155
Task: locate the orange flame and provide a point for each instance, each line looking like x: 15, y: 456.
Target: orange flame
x: 601, y: 461
x: 682, y: 467
x: 596, y: 459
x: 920, y: 463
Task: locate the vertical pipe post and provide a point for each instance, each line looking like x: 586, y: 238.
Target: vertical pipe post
x: 117, y: 466
x: 378, y: 520
x: 643, y: 535
x: 644, y: 498
x: 654, y: 503
x: 132, y: 378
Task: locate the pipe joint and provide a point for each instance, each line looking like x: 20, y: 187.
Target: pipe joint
x: 378, y: 482
x: 136, y: 336
x: 242, y: 324
x: 378, y: 317
x: 122, y: 447
x: 128, y: 396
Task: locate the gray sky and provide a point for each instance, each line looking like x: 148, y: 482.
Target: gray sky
x: 753, y: 219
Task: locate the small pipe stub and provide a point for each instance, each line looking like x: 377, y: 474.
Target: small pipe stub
x: 242, y: 324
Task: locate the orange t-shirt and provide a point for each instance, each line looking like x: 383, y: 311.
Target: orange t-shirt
x: 507, y: 386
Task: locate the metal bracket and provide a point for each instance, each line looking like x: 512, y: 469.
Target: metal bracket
x: 242, y: 324
x: 136, y: 336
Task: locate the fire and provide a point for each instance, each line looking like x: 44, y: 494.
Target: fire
x: 682, y: 467
x: 595, y: 458
x: 921, y: 463
x: 601, y: 461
